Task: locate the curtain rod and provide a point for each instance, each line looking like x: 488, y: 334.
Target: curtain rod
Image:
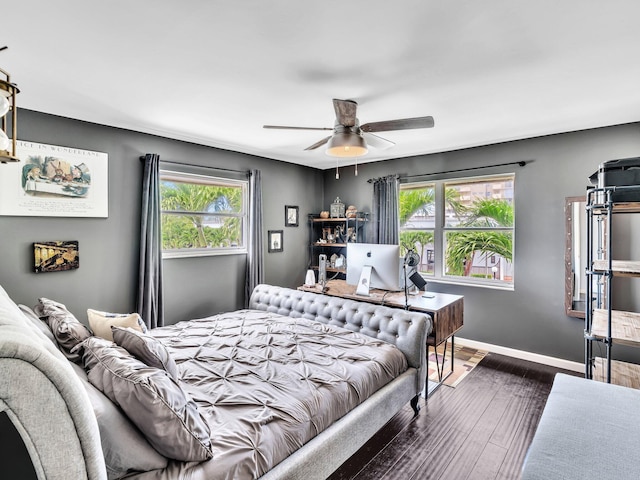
x: 521, y: 163
x: 246, y: 172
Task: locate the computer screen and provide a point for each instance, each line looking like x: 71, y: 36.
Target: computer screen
x: 383, y: 259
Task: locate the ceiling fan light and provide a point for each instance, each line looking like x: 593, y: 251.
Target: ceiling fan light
x: 346, y: 145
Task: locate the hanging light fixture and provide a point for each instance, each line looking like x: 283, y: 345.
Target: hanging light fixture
x: 346, y: 143
x: 8, y: 92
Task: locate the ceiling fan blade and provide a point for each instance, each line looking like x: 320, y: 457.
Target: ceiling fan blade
x: 319, y: 143
x: 345, y: 112
x: 377, y: 142
x: 296, y: 128
x: 400, y: 124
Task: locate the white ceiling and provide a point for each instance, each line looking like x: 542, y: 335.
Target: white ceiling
x: 214, y: 72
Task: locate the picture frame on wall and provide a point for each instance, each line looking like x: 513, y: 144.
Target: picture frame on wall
x: 55, y: 256
x: 291, y: 213
x: 275, y: 238
x: 55, y: 181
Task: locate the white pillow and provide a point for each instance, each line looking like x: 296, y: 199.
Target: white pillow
x: 101, y: 322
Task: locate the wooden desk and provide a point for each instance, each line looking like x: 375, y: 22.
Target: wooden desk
x: 447, y: 312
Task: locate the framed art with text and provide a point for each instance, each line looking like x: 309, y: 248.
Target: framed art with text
x: 55, y: 181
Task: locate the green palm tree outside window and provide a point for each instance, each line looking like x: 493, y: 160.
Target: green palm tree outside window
x: 196, y: 216
x: 476, y: 229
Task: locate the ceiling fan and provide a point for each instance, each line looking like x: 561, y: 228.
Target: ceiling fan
x: 350, y: 139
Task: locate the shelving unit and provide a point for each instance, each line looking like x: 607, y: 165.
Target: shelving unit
x: 604, y: 324
x: 331, y: 236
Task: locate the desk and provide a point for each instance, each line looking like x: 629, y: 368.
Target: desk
x: 447, y: 312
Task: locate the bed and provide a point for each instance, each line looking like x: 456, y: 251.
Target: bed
x: 289, y: 388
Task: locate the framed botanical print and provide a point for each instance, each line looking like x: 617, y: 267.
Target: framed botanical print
x: 275, y: 240
x: 291, y: 216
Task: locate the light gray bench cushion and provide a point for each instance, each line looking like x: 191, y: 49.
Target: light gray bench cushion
x: 588, y: 430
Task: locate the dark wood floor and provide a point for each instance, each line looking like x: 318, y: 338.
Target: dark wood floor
x: 479, y: 430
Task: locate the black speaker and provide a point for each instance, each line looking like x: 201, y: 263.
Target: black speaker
x: 417, y: 280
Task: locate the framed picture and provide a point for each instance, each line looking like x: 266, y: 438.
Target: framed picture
x: 290, y: 216
x: 55, y: 181
x: 275, y: 240
x: 55, y: 256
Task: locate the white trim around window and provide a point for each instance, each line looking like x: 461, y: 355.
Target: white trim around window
x: 203, y: 215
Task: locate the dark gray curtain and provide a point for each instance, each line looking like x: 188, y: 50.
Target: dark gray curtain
x: 255, y: 250
x: 150, y: 301
x: 385, y: 210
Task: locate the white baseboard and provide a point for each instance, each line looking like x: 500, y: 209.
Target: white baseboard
x: 523, y: 355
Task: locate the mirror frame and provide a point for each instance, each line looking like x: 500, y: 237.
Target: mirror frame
x: 568, y: 270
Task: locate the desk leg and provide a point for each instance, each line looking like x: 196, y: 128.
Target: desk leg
x: 433, y: 386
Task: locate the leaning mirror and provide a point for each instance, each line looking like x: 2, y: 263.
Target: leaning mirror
x: 575, y: 256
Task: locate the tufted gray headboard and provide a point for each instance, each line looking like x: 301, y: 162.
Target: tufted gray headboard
x: 406, y: 330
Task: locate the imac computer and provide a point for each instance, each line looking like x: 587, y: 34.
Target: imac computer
x: 372, y: 265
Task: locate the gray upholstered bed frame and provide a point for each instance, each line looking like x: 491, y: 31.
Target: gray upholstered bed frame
x: 46, y: 402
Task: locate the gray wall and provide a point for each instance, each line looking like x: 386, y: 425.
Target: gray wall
x: 107, y: 276
x: 531, y: 317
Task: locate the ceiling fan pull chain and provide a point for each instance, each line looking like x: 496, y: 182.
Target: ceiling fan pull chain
x: 337, y: 172
x: 356, y: 166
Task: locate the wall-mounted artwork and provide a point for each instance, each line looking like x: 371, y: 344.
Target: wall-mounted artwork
x: 52, y: 181
x: 55, y: 256
x: 291, y: 216
x: 275, y: 241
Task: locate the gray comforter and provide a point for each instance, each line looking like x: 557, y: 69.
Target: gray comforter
x: 267, y: 384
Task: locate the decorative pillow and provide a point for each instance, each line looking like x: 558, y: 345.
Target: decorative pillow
x: 124, y: 447
x: 101, y: 322
x: 66, y: 328
x: 153, y: 401
x: 146, y: 348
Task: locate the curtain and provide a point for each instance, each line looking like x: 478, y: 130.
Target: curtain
x: 255, y: 250
x: 150, y: 299
x: 385, y: 210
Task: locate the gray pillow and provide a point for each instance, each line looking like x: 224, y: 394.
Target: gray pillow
x: 153, y: 401
x: 124, y: 447
x: 66, y: 328
x: 146, y: 348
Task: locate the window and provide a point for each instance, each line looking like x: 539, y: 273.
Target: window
x: 202, y: 215
x: 462, y: 229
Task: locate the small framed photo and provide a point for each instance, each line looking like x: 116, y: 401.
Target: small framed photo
x: 291, y: 216
x: 275, y: 240
x: 55, y: 256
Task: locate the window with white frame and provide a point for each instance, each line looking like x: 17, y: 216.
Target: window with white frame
x: 202, y: 215
x: 463, y: 229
